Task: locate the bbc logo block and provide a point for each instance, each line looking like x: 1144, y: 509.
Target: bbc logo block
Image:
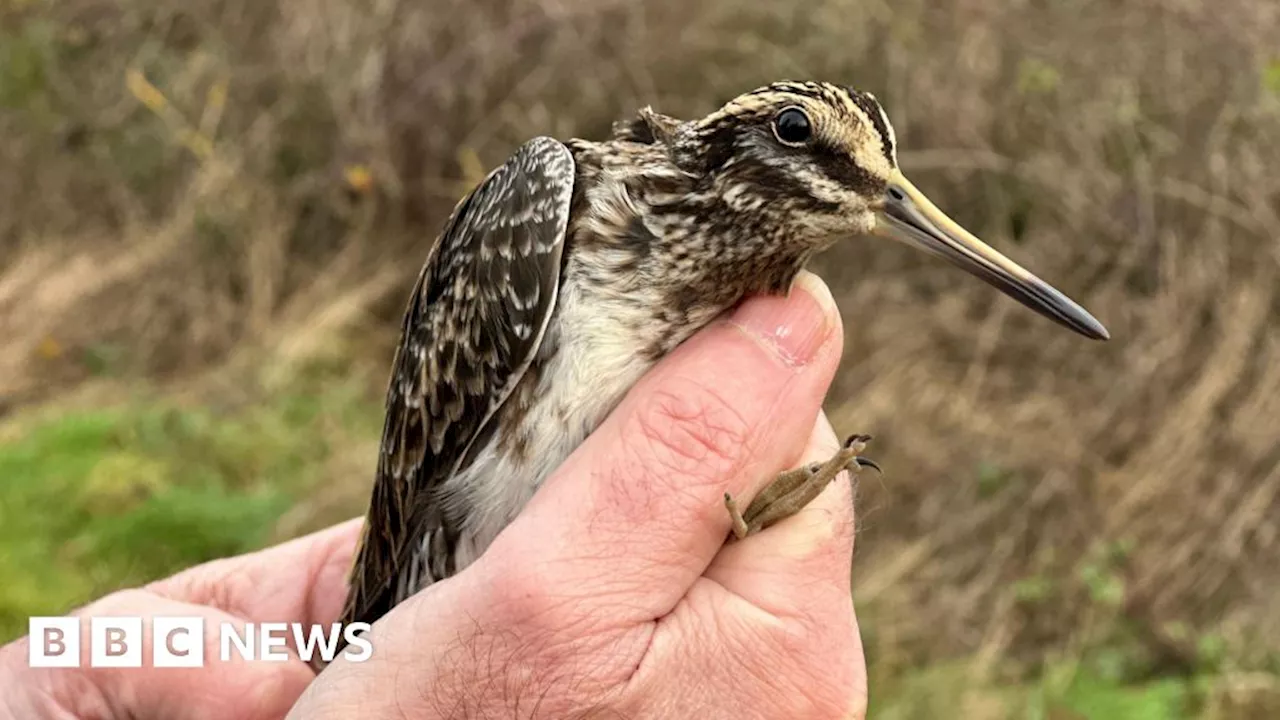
x: 115, y: 642
x: 180, y: 642
x: 55, y: 642
x: 177, y: 642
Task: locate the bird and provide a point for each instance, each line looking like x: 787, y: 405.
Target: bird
x: 575, y: 266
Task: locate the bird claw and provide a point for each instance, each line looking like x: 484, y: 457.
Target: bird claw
x: 868, y: 462
x: 792, y: 490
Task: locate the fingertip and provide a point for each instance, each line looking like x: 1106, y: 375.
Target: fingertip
x: 796, y: 328
x: 277, y: 690
x: 817, y: 288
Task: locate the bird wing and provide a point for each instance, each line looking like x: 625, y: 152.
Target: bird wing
x: 473, y: 325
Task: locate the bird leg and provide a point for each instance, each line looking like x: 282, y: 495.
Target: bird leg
x: 794, y: 489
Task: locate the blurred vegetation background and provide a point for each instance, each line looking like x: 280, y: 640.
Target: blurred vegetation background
x: 211, y: 212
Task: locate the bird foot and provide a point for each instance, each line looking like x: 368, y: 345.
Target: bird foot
x: 792, y: 490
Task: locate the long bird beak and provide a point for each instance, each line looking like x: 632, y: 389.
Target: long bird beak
x: 907, y: 215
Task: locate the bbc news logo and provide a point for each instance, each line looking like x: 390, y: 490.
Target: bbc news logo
x: 179, y: 642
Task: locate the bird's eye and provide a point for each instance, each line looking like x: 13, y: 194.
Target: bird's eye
x: 792, y: 126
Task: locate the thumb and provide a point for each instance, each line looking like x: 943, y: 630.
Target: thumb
x: 637, y: 511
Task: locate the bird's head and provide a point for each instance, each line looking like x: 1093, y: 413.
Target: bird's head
x: 822, y: 158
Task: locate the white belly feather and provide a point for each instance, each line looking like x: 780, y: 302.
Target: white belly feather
x: 598, y: 361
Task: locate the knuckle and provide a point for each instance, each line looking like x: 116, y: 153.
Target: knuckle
x: 691, y: 430
x: 214, y: 584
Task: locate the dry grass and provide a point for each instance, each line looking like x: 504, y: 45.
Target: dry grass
x: 183, y: 182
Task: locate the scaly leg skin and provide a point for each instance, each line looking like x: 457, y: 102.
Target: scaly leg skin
x: 794, y: 489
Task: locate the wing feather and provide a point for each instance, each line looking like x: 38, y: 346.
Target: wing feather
x: 472, y: 326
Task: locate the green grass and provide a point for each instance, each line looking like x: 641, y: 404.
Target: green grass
x: 1060, y: 694
x: 95, y: 500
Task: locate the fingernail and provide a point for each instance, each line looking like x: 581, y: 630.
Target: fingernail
x: 794, y: 327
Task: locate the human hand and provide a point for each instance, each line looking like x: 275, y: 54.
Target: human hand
x: 613, y: 591
x: 302, y: 581
x: 614, y: 594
